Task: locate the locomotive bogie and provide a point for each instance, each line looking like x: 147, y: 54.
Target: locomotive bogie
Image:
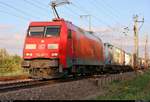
x: 41, y: 63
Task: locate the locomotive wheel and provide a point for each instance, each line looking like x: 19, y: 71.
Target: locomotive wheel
x: 65, y: 75
x: 42, y: 73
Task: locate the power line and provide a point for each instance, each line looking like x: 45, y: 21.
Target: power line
x: 39, y: 2
x: 103, y: 22
x: 42, y: 7
x: 110, y: 14
x: 73, y: 12
x: 16, y: 9
x: 23, y: 18
x: 108, y: 5
x: 70, y: 11
x: 105, y: 11
x: 35, y: 5
x: 111, y: 10
x: 92, y: 16
x: 69, y: 14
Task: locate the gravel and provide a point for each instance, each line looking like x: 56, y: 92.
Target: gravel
x: 76, y: 90
x: 86, y: 89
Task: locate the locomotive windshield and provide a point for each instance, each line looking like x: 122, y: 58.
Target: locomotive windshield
x: 52, y: 31
x: 48, y: 31
x: 36, y: 31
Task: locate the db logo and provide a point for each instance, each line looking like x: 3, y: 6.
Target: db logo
x: 41, y: 46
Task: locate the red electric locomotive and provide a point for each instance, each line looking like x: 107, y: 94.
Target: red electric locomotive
x: 57, y: 48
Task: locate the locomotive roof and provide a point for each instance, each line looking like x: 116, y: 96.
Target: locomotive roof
x: 43, y: 23
x: 59, y: 21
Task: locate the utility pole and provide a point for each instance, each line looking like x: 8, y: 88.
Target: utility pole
x: 136, y: 41
x: 146, y: 52
x: 89, y: 16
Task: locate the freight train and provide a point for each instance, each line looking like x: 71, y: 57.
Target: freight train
x: 59, y: 48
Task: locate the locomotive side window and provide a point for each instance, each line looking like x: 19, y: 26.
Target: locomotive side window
x: 36, y: 31
x: 52, y: 31
x: 69, y: 34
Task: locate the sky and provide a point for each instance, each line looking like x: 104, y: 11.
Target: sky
x: 108, y: 19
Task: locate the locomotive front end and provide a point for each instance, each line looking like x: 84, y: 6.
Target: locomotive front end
x: 41, y: 50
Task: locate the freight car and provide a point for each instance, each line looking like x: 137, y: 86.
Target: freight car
x: 128, y: 59
x: 59, y: 48
x: 116, y: 59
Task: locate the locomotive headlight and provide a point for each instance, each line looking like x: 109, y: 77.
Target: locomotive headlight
x: 54, y: 54
x: 28, y: 54
x: 30, y: 46
x: 52, y: 46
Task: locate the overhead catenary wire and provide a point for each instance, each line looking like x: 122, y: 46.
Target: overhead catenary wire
x: 68, y: 10
x: 106, y: 5
x: 42, y: 3
x: 112, y: 11
x: 116, y: 12
x: 36, y: 5
x: 16, y: 9
x: 110, y: 14
x: 97, y: 18
x: 94, y: 3
x: 8, y: 13
x: 73, y: 12
x: 109, y: 9
x: 69, y: 14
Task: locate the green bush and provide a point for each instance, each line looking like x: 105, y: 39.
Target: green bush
x: 9, y: 63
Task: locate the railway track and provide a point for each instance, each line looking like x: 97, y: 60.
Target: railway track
x: 22, y: 85
x: 13, y: 86
x: 7, y: 87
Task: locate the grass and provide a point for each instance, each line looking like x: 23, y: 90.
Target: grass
x: 136, y: 89
x: 13, y: 73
